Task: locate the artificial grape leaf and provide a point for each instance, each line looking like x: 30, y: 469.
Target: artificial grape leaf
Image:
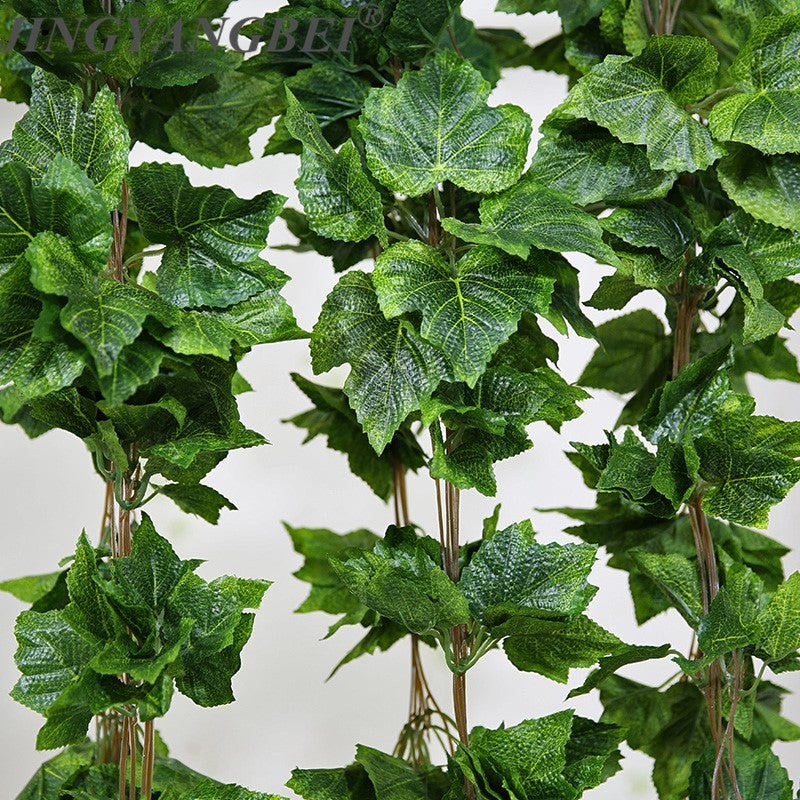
x: 212, y: 237
x: 531, y: 214
x: 68, y: 410
x: 400, y: 580
x: 333, y: 417
x: 677, y: 577
x: 632, y: 348
x: 467, y: 312
x: 529, y: 758
x: 206, y: 677
x: 630, y: 654
x: 338, y: 197
x: 417, y: 25
x: 136, y: 365
x: 96, y: 140
x: 778, y: 623
x: 766, y: 71
x: 731, y: 620
x: 57, y: 772
x: 214, y: 127
x: 197, y: 499
x: 470, y: 464
x: 744, y: 482
x: 774, y: 252
x: 630, y: 468
x: 393, y: 778
x: 261, y: 319
x: 37, y: 367
x: 685, y: 406
x: 54, y: 649
x: 766, y: 187
x: 435, y: 126
x: 640, y: 100
x: 587, y: 164
x: 85, y: 591
x: 393, y: 369
x: 33, y: 588
x: 656, y: 225
x: 511, y: 573
x: 318, y: 546
x: 552, y: 648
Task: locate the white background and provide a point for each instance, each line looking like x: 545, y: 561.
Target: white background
x: 286, y: 715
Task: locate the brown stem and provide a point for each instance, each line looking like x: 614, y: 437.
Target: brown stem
x: 148, y: 756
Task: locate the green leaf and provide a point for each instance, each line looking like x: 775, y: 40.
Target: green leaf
x: 214, y: 127
x: 203, y: 501
x: 685, y: 406
x: 632, y: 348
x: 640, y: 100
x: 333, y: 418
x: 96, y: 140
x: 84, y: 586
x: 552, y: 648
x: 677, y: 577
x: 774, y: 252
x: 213, y: 237
x: 587, y: 164
x: 530, y: 214
x: 417, y: 25
x: 511, y: 574
x: 31, y: 589
x: 527, y: 758
x: 656, y: 225
x: 318, y: 546
x: 778, y: 622
x: 393, y: 778
x: 468, y: 311
x: 630, y: 654
x: 54, y: 649
x: 456, y: 135
x: 338, y: 197
x: 731, y: 620
x: 393, y: 369
x: 630, y: 468
x: 261, y: 319
x: 400, y: 580
x: 765, y: 69
x: 59, y: 771
x: 470, y: 464
x: 745, y: 483
x: 766, y: 187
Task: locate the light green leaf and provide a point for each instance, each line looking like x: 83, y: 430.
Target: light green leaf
x: 96, y: 140
x: 393, y: 369
x: 337, y: 195
x: 203, y: 501
x: 435, y: 126
x: 510, y: 574
x: 552, y: 648
x: 764, y: 115
x: 213, y: 237
x: 766, y: 187
x: 393, y: 778
x: 677, y: 577
x: 467, y: 312
x: 400, y: 580
x: 214, y: 127
x: 587, y: 164
x: 54, y: 649
x: 778, y: 622
x: 530, y: 214
x: 656, y: 225
x: 632, y: 348
x: 640, y: 100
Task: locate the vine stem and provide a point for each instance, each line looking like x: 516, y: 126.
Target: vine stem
x: 422, y: 703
